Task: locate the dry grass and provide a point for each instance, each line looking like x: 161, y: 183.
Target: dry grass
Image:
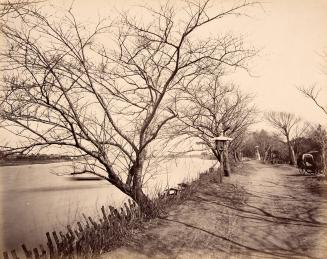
x: 316, y: 185
x: 194, y: 218
x: 166, y: 202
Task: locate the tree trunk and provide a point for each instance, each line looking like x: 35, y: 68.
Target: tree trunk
x: 290, y: 151
x: 235, y: 156
x: 266, y: 154
x: 238, y: 155
x: 145, y: 204
x: 226, y: 164
x: 133, y: 188
x: 217, y: 154
x: 324, y: 157
x: 293, y: 156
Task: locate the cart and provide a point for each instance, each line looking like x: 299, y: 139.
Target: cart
x: 309, y: 163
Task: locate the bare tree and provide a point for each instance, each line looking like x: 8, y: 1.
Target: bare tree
x: 17, y: 7
x: 210, y: 109
x: 313, y: 93
x: 319, y: 135
x: 237, y: 145
x: 264, y: 141
x: 106, y: 92
x: 269, y: 144
x: 300, y: 132
x: 284, y: 122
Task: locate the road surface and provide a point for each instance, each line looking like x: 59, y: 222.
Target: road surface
x: 263, y: 211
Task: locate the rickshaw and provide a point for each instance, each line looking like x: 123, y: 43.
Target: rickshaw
x: 309, y: 162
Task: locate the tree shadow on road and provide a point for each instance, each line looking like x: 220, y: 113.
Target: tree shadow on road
x: 278, y: 220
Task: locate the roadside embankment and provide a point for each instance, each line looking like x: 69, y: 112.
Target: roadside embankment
x: 262, y: 210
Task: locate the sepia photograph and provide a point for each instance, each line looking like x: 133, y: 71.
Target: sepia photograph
x: 163, y: 129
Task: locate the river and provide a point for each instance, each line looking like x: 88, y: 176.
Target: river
x: 34, y: 200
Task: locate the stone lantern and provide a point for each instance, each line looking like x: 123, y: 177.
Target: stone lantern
x: 257, y: 153
x: 221, y: 144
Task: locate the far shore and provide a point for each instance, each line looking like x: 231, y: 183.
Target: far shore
x: 30, y: 162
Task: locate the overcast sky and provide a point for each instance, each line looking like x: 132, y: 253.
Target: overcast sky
x: 293, y: 35
x: 290, y: 34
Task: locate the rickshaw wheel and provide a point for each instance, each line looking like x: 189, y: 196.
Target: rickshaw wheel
x: 301, y: 170
x: 311, y: 171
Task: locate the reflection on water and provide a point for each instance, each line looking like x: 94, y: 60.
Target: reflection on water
x: 34, y: 201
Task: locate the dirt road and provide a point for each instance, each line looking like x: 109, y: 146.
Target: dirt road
x: 261, y: 211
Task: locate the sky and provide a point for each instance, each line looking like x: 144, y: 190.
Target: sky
x: 290, y: 36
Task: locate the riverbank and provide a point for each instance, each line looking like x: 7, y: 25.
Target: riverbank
x: 111, y: 228
x: 36, y: 200
x: 164, y: 236
x: 267, y: 211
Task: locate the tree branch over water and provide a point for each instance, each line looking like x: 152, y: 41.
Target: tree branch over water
x: 107, y: 90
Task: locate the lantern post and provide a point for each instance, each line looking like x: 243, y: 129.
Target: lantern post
x: 257, y: 153
x: 221, y: 144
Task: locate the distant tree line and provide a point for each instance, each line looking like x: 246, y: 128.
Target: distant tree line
x: 276, y: 148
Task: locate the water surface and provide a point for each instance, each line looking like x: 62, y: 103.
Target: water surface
x: 34, y: 200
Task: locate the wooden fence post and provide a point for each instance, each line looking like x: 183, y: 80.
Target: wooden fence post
x: 5, y: 255
x: 36, y: 253
x: 56, y: 239
x: 84, y: 238
x: 104, y: 215
x: 27, y: 252
x: 43, y: 252
x: 14, y: 254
